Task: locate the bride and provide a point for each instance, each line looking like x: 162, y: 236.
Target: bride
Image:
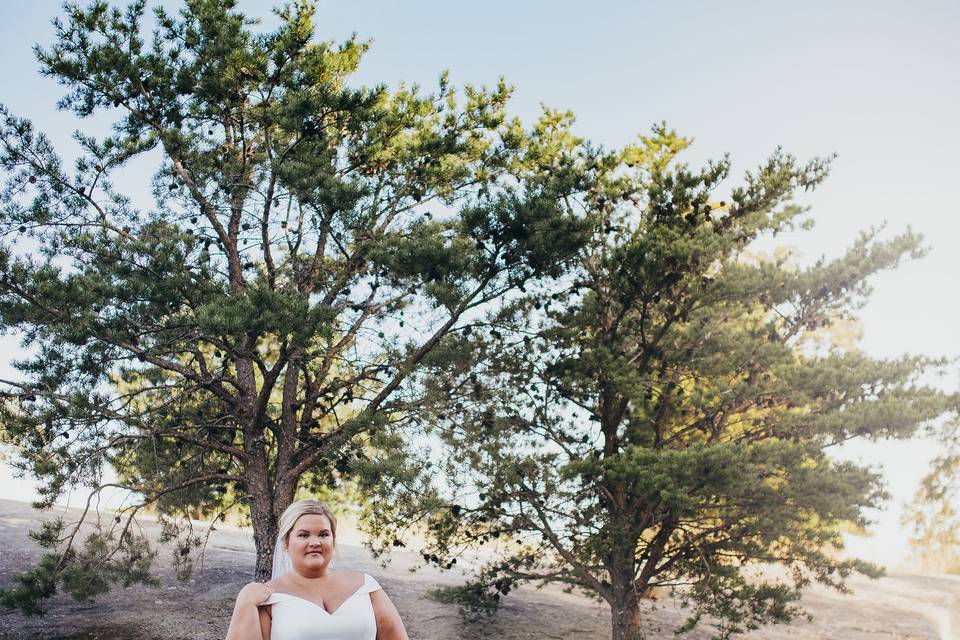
x: 307, y: 599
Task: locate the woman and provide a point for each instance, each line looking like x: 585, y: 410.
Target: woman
x: 307, y: 599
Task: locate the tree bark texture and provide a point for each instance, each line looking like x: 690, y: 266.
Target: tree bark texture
x: 626, y: 618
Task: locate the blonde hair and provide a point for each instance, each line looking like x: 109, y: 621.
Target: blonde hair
x: 301, y: 508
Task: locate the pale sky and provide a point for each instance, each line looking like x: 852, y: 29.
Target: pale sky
x: 876, y: 82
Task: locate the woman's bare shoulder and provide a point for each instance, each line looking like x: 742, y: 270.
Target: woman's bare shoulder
x: 277, y: 583
x: 350, y: 573
x: 349, y: 577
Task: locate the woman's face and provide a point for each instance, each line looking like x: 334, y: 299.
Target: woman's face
x: 310, y: 544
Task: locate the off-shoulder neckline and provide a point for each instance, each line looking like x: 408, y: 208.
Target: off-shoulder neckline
x: 366, y: 578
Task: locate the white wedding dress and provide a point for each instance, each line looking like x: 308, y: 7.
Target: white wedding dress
x: 294, y: 618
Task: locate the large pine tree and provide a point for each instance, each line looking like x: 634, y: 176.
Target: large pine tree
x: 311, y: 242
x: 659, y: 418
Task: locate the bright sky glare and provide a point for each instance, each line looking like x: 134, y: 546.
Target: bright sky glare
x: 876, y: 82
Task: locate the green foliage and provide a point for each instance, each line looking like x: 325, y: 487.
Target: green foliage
x: 106, y: 557
x: 658, y: 416
x: 245, y: 337
x: 932, y: 516
x: 474, y: 599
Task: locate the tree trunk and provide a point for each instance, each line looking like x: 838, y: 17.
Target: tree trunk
x: 261, y: 514
x: 625, y: 603
x: 264, y: 535
x: 267, y: 505
x: 626, y: 618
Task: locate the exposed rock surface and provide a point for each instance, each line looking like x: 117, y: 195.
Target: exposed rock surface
x: 899, y: 607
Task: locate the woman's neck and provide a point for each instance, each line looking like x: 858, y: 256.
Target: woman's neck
x: 309, y: 577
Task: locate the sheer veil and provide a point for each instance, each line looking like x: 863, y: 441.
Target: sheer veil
x: 281, y: 560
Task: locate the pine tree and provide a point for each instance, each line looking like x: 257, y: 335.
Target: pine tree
x: 657, y: 420
x: 310, y: 244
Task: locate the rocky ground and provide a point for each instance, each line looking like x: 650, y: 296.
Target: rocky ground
x: 900, y: 606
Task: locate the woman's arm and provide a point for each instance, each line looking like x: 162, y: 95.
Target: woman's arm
x: 247, y: 622
x: 389, y: 624
x: 266, y: 619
